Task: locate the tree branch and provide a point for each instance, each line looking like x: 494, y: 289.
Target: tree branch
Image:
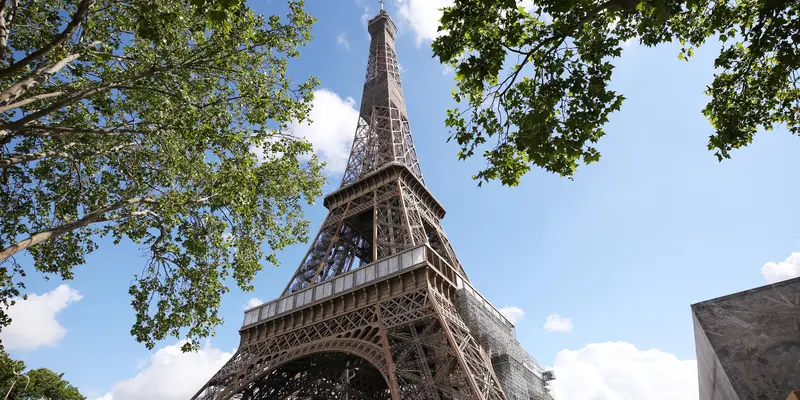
x: 139, y: 213
x: 5, y: 26
x: 20, y: 123
x: 26, y: 158
x: 90, y: 218
x: 29, y: 100
x: 77, y: 18
x: 60, y: 131
x: 561, y: 37
x: 37, y: 77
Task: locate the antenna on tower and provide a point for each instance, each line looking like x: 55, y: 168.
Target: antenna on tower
x: 382, y: 5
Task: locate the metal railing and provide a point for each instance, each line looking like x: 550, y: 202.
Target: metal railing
x: 353, y: 279
x: 363, y: 276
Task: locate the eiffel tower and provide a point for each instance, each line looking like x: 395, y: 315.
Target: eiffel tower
x: 380, y: 307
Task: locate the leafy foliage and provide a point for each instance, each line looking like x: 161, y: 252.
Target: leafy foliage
x: 44, y: 384
x: 156, y: 121
x: 549, y: 107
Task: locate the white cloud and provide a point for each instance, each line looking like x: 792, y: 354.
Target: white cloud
x: 619, y: 371
x: 423, y: 15
x: 171, y: 374
x: 557, y: 323
x: 331, y: 130
x: 513, y: 313
x: 255, y: 301
x: 365, y: 17
x: 34, y: 321
x: 341, y: 40
x: 528, y: 4
x: 781, y: 271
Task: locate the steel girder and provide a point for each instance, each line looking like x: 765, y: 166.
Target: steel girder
x: 382, y: 222
x: 412, y: 346
x: 405, y: 344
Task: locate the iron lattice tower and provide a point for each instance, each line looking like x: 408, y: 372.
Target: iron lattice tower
x: 380, y: 307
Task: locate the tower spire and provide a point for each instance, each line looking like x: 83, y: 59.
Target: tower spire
x: 379, y: 307
x: 381, y: 5
x: 383, y: 134
x: 404, y: 214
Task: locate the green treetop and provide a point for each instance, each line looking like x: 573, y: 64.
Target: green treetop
x: 161, y: 122
x: 549, y: 107
x: 36, y: 384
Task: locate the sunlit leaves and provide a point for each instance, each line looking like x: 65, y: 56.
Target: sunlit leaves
x: 534, y: 82
x: 181, y: 93
x: 39, y: 383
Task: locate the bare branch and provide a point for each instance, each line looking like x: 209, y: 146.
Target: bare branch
x: 77, y: 18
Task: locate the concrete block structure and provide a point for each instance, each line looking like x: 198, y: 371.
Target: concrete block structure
x: 748, y: 343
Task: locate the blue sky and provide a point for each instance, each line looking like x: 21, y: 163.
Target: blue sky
x: 618, y: 254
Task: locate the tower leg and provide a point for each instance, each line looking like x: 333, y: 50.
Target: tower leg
x: 412, y: 346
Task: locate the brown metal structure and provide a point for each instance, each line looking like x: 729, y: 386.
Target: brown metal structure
x: 380, y: 307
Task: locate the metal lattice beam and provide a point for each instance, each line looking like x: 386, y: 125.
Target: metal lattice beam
x: 397, y: 337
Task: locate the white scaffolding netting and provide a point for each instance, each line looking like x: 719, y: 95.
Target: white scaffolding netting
x: 520, y: 375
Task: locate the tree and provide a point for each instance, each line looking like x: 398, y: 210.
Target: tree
x: 44, y: 384
x: 156, y: 121
x: 535, y: 79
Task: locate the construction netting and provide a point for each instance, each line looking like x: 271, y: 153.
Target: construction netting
x: 520, y: 375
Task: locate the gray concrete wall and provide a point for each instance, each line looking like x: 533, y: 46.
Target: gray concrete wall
x: 714, y: 384
x: 755, y: 336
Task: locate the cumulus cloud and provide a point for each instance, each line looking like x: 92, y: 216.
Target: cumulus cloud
x: 170, y: 374
x: 34, y: 321
x: 333, y: 124
x: 557, y: 323
x: 620, y: 371
x: 423, y: 15
x: 341, y: 40
x: 365, y: 17
x: 255, y: 301
x: 513, y: 313
x: 781, y: 271
x: 331, y: 128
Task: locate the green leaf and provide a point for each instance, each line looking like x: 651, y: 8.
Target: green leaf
x: 186, y: 157
x: 556, y: 99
